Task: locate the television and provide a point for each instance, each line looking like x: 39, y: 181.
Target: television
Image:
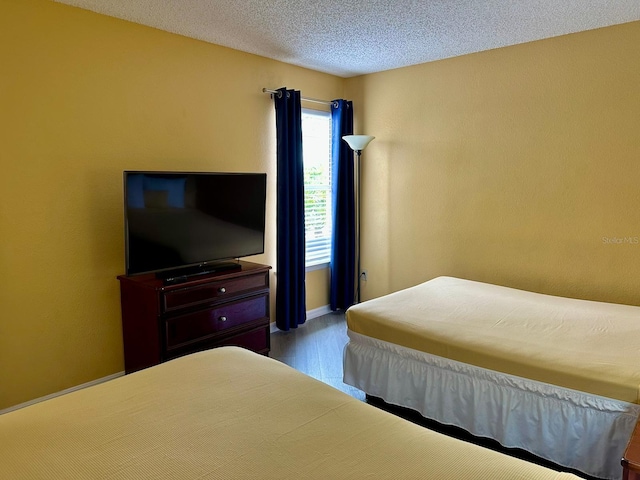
x: 179, y: 224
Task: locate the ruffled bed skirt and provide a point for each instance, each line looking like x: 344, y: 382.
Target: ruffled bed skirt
x: 585, y: 432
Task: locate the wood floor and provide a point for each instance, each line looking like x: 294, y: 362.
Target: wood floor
x: 315, y: 348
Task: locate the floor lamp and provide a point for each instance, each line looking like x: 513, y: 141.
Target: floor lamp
x: 358, y: 143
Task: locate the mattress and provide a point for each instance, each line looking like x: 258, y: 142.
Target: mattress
x: 576, y: 344
x: 228, y: 413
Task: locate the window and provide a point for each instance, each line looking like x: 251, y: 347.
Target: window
x: 316, y: 154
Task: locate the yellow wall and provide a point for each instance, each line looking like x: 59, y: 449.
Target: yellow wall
x: 82, y: 98
x: 507, y: 166
x: 317, y: 288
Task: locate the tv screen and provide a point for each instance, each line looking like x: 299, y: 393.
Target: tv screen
x: 175, y: 220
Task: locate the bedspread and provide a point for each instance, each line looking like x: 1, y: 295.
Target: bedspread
x: 577, y: 344
x: 228, y: 413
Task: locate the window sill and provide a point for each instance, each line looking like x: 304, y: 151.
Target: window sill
x: 317, y: 266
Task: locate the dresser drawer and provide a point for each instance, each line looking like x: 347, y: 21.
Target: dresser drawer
x: 213, y: 291
x: 201, y: 325
x: 255, y: 340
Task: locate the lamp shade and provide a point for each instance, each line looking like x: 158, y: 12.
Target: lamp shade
x: 358, y: 142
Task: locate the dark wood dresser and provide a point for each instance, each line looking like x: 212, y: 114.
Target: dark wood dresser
x: 161, y: 322
x: 631, y: 458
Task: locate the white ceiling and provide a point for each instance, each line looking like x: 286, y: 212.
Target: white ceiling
x: 353, y: 37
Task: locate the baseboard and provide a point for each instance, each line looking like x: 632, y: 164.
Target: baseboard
x: 318, y: 312
x: 315, y: 313
x: 63, y: 392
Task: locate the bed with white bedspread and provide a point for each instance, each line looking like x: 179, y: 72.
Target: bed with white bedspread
x: 555, y: 376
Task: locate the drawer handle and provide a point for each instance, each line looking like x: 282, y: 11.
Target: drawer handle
x: 223, y: 319
x: 222, y: 290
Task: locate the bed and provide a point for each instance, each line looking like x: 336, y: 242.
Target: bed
x: 557, y: 377
x: 229, y: 413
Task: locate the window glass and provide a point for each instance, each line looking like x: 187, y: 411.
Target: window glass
x: 316, y: 154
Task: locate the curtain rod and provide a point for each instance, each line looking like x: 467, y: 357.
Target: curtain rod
x: 313, y: 100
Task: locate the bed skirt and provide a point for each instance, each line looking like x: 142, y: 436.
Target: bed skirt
x: 573, y: 429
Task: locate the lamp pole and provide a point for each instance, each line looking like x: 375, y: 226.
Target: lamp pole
x: 358, y: 211
x: 357, y: 144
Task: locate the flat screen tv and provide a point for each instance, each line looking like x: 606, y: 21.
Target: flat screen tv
x: 187, y: 223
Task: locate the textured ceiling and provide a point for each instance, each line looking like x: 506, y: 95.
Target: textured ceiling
x: 353, y: 37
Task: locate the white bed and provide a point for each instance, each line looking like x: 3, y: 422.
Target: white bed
x: 555, y: 376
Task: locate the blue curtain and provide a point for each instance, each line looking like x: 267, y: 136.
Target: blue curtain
x: 290, y: 287
x: 343, y: 243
